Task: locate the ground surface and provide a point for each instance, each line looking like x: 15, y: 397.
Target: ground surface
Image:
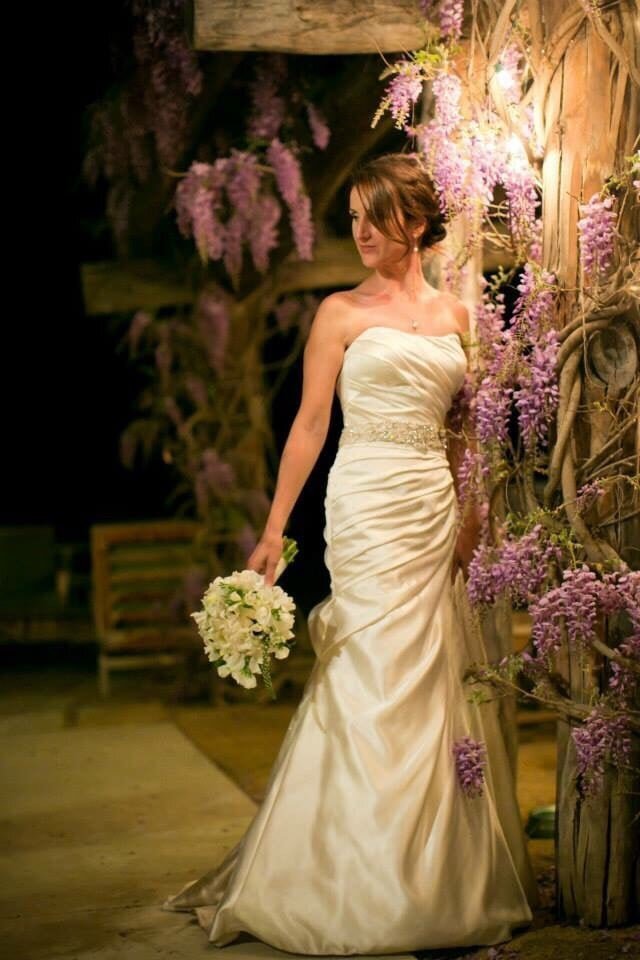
x: 108, y: 807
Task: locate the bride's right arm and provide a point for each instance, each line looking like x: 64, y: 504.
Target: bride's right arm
x: 322, y: 360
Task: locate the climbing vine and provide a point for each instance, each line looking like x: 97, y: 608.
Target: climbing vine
x: 546, y: 516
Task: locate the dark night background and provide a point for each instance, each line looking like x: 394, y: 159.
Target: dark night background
x: 68, y: 391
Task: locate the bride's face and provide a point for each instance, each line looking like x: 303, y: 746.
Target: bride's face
x: 375, y: 249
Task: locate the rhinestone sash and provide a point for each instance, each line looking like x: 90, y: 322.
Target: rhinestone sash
x: 423, y: 436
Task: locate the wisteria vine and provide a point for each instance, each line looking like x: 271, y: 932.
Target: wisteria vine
x: 485, y: 161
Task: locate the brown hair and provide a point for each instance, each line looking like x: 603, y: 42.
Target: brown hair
x: 394, y: 186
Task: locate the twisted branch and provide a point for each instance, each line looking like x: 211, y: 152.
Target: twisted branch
x: 570, y: 391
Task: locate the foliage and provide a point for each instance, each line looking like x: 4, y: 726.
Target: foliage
x: 549, y: 554
x: 197, y: 406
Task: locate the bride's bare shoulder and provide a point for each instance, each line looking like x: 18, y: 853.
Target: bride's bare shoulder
x: 340, y: 305
x: 329, y: 325
x: 459, y: 312
x: 348, y: 298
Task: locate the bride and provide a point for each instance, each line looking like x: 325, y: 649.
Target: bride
x: 365, y: 842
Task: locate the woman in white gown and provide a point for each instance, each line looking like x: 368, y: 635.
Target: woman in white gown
x: 365, y: 842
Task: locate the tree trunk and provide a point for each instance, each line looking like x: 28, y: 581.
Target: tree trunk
x: 588, y: 113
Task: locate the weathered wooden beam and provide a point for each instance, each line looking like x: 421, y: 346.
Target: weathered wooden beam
x: 109, y: 286
x: 307, y: 26
x: 112, y: 286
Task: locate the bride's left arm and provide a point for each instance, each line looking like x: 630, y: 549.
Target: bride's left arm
x: 460, y: 439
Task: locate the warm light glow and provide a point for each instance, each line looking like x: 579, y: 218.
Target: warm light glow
x: 504, y: 77
x: 516, y: 153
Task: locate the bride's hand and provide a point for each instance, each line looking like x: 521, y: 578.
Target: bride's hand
x: 266, y: 555
x: 464, y: 549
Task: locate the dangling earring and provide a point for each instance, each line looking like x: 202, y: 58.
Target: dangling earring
x: 415, y: 248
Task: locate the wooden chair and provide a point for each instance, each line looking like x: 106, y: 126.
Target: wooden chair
x: 138, y: 570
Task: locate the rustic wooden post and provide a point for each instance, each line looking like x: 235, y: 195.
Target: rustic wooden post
x: 587, y: 101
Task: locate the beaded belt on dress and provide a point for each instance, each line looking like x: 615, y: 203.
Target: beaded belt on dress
x: 424, y: 436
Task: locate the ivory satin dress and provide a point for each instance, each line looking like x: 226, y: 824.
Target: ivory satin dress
x: 364, y: 842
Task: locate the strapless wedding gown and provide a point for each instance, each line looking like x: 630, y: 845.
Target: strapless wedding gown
x: 364, y: 842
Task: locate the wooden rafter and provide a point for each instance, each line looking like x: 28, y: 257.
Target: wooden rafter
x: 110, y: 286
x: 307, y: 27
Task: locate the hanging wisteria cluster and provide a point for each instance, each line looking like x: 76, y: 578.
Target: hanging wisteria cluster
x: 484, y: 156
x: 518, y: 568
x: 597, y: 230
x: 187, y: 359
x: 231, y: 204
x: 473, y: 154
x: 599, y: 740
x: 470, y: 757
x: 147, y: 123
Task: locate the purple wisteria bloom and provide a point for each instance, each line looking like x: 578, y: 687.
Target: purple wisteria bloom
x: 470, y: 758
x: 522, y: 199
x: 623, y: 681
x: 445, y: 158
x: 198, y: 201
x: 264, y: 233
x: 302, y: 226
x: 246, y: 539
x: 233, y: 240
x: 451, y: 14
x: 621, y: 592
x: 575, y: 600
x: 473, y: 468
x: 320, y: 131
x: 447, y: 92
x: 596, y: 231
x: 537, y: 396
x: 509, y: 73
x: 486, y: 162
x: 449, y: 174
x: 492, y: 408
x: 534, y: 307
x: 164, y: 353
x: 286, y: 313
x: 580, y: 599
x: 268, y: 108
x: 219, y: 475
x: 139, y: 323
x: 402, y: 91
x: 598, y: 740
x: 288, y: 174
x: 214, y: 322
x: 588, y: 494
x: 286, y: 168
x: 489, y: 317
x: 243, y: 182
x: 197, y: 390
x: 518, y: 568
x: 173, y: 411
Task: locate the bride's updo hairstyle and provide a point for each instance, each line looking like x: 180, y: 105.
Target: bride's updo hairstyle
x: 394, y: 186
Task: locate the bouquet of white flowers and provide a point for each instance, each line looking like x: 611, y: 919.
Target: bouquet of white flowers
x: 244, y: 622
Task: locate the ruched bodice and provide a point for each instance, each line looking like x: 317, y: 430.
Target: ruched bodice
x: 391, y: 373
x: 365, y: 842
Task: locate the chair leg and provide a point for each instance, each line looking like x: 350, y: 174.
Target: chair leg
x: 103, y: 676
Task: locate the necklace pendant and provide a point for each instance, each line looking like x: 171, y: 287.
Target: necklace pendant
x: 414, y: 324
